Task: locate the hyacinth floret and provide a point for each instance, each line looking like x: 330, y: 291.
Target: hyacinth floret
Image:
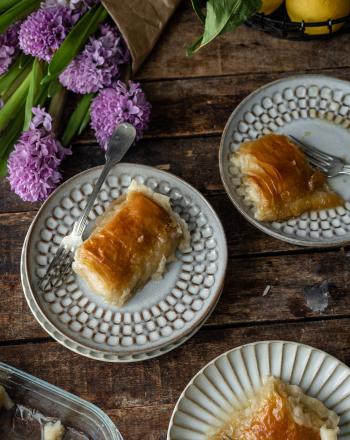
x: 42, y: 33
x: 33, y: 165
x: 8, y: 47
x: 98, y: 64
x: 117, y: 104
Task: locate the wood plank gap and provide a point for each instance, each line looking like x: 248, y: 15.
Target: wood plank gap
x: 298, y: 251
x: 255, y: 324
x: 248, y: 72
x: 93, y: 143
x: 12, y: 342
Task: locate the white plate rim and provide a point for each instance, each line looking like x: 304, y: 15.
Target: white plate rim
x: 227, y: 186
x: 103, y: 355
x: 240, y: 347
x: 226, y: 353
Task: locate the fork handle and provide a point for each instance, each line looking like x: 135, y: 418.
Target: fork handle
x: 80, y: 224
x: 118, y: 145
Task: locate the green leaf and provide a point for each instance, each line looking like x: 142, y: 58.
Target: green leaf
x: 53, y: 87
x: 75, y: 41
x: 197, y: 6
x: 223, y: 16
x: 7, y: 4
x: 85, y: 121
x: 13, y: 105
x: 18, y: 11
x: 12, y: 83
x: 33, y: 92
x: 77, y: 118
x: 8, y: 78
x: 7, y: 141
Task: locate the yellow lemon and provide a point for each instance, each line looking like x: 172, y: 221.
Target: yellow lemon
x: 268, y: 6
x: 317, y: 10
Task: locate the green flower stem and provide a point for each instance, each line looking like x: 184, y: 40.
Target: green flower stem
x: 19, y: 10
x: 75, y: 41
x: 7, y: 142
x: 33, y: 92
x: 11, y: 89
x: 79, y: 119
x: 8, y: 78
x: 14, y: 104
x: 56, y: 108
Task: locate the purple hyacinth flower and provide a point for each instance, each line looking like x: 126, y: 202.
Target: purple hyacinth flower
x: 33, y: 165
x: 98, y: 65
x: 8, y: 47
x: 42, y: 33
x: 120, y: 103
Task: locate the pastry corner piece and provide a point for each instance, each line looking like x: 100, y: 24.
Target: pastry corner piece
x: 131, y: 243
x: 279, y: 181
x: 279, y: 411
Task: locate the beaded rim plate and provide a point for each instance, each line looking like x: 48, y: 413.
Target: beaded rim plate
x: 163, y: 314
x: 228, y: 381
x: 313, y: 108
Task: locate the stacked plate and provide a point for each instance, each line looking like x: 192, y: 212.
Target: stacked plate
x: 163, y: 314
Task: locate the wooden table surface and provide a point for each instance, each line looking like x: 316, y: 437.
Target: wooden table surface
x: 192, y: 99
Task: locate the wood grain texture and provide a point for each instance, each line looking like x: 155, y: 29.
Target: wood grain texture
x: 140, y: 397
x: 244, y: 51
x: 192, y: 99
x: 242, y: 301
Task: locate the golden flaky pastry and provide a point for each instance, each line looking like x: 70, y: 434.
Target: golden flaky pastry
x: 281, y: 412
x: 279, y: 180
x: 132, y: 242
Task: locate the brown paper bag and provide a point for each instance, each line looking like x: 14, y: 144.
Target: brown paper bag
x: 141, y: 23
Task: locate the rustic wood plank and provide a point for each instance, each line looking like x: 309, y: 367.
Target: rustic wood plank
x: 244, y: 51
x: 201, y: 106
x: 190, y: 159
x: 289, y: 278
x: 140, y: 397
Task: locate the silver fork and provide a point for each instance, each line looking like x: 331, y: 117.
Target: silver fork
x: 330, y: 165
x: 60, y: 266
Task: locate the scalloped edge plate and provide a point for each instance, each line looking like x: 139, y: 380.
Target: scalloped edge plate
x: 102, y: 354
x: 224, y: 383
x: 246, y: 106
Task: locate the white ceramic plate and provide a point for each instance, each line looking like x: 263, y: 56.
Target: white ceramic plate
x: 313, y: 108
x: 163, y: 314
x: 209, y: 399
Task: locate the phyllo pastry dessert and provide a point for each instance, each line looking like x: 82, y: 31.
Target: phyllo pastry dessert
x: 281, y: 412
x: 279, y: 181
x: 132, y: 242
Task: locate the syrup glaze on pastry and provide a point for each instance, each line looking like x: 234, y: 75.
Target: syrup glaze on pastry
x: 279, y: 181
x: 131, y: 243
x: 281, y: 412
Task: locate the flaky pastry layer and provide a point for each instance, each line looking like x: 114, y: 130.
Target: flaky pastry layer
x: 279, y: 411
x: 279, y: 181
x: 132, y: 242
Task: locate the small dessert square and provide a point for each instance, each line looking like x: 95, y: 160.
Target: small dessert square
x: 279, y: 181
x: 131, y: 243
x: 281, y: 411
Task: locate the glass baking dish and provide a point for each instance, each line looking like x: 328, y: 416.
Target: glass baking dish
x: 38, y: 402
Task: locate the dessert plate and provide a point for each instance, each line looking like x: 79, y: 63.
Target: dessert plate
x: 315, y: 109
x: 229, y: 380
x: 163, y: 314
